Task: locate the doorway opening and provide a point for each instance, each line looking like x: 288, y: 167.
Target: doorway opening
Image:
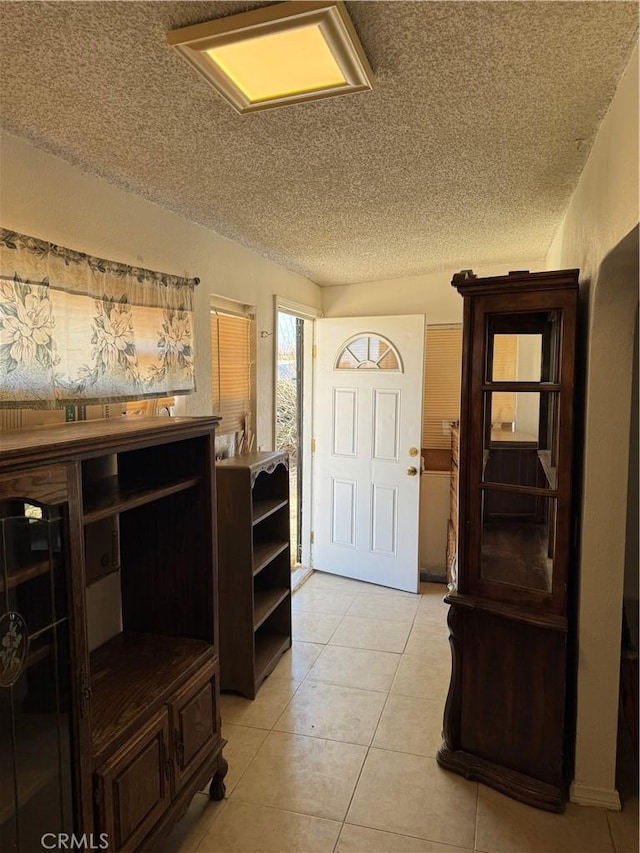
x: 294, y: 332
x: 289, y: 416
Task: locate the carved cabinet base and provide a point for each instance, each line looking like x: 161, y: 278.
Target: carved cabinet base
x: 504, y: 721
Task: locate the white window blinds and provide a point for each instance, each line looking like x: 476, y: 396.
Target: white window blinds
x: 442, y: 370
x: 231, y: 369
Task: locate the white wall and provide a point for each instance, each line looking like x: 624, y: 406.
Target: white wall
x: 597, y: 236
x: 45, y: 197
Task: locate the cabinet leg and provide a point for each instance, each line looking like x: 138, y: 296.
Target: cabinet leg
x: 217, y: 788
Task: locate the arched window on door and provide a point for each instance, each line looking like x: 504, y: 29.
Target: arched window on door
x: 368, y: 352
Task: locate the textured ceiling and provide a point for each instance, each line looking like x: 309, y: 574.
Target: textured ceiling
x: 465, y: 152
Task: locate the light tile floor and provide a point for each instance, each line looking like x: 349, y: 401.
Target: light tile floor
x: 337, y: 752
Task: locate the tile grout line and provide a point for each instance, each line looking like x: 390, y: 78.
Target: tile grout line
x: 308, y: 679
x: 475, y: 823
x: 611, y: 836
x: 369, y: 748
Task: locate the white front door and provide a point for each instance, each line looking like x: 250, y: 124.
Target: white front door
x: 366, y: 466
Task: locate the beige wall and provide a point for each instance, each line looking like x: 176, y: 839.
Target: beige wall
x: 602, y: 213
x: 45, y: 197
x: 434, y: 514
x: 430, y: 294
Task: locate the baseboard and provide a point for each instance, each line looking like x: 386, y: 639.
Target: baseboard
x: 299, y: 576
x: 431, y: 576
x: 600, y: 798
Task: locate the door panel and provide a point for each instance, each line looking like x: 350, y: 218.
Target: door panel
x: 384, y: 519
x: 367, y: 417
x: 345, y: 422
x: 343, y: 513
x: 386, y: 425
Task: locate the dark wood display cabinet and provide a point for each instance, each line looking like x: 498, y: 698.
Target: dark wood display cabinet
x: 119, y: 739
x: 507, y: 718
x: 255, y: 567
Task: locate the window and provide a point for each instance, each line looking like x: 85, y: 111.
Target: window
x: 368, y: 352
x: 231, y: 369
x: 77, y: 330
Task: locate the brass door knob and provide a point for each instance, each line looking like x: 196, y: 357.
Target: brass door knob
x: 411, y: 472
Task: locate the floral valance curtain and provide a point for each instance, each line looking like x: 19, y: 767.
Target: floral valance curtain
x: 76, y: 329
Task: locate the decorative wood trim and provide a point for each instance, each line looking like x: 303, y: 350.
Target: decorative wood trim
x: 508, y: 611
x: 453, y: 705
x: 257, y: 463
x: 515, y: 282
x: 509, y: 782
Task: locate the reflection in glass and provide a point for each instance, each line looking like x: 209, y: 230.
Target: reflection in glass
x: 515, y: 416
x: 516, y: 358
x: 503, y: 365
x: 347, y: 360
x: 523, y: 347
x: 518, y: 539
x: 521, y: 451
x: 359, y: 349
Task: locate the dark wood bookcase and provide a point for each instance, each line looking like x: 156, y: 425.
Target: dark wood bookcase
x: 124, y: 736
x: 255, y: 567
x: 507, y: 719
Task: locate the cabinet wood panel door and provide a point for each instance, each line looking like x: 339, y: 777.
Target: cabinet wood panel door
x: 133, y: 788
x: 196, y: 729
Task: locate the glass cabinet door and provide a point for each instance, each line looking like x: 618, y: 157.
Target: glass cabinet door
x: 35, y: 761
x: 517, y: 408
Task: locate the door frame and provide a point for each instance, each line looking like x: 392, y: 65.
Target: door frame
x: 308, y: 313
